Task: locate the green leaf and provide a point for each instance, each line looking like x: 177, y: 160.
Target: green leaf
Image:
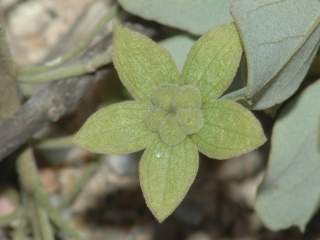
x: 213, y: 61
x: 280, y: 39
x: 229, y: 130
x: 142, y: 64
x: 194, y: 16
x: 179, y: 47
x: 116, y: 129
x: 289, y: 194
x: 9, y: 100
x: 166, y: 174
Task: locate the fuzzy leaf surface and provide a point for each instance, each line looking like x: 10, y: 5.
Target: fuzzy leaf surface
x: 213, y: 62
x: 142, y: 64
x: 228, y: 130
x: 166, y: 174
x: 116, y: 129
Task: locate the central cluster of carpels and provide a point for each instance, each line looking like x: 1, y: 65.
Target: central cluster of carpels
x: 175, y: 112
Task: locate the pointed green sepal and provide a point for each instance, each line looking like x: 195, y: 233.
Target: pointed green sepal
x: 166, y: 174
x: 213, y: 61
x: 142, y: 64
x: 229, y: 130
x: 116, y: 129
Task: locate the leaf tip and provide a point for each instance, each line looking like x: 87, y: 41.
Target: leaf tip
x: 159, y: 214
x: 77, y: 139
x: 261, y: 137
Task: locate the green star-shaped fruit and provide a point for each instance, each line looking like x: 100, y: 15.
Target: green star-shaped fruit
x: 173, y: 115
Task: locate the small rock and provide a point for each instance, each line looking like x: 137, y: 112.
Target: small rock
x: 50, y: 180
x: 8, y: 201
x: 240, y: 167
x: 245, y: 191
x: 6, y: 206
x: 126, y: 165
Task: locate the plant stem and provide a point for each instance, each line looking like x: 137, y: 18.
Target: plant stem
x: 85, y: 42
x: 89, y: 171
x: 33, y: 218
x: 19, y: 232
x: 73, y: 70
x: 55, y: 216
x: 74, y: 53
x: 31, y: 183
x: 237, y: 95
x: 8, y: 219
x: 40, y: 221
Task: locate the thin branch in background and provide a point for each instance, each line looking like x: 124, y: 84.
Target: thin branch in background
x: 86, y: 176
x: 40, y: 221
x: 19, y: 232
x: 7, y: 219
x: 72, y: 70
x: 49, y: 104
x: 29, y: 72
x: 40, y: 207
x: 33, y: 218
x: 55, y: 216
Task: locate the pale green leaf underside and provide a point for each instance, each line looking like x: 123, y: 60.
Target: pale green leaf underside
x: 179, y: 47
x: 9, y: 99
x: 166, y: 174
x: 229, y: 130
x: 290, y: 194
x: 142, y: 64
x: 213, y: 62
x: 194, y: 16
x: 280, y: 39
x: 116, y: 129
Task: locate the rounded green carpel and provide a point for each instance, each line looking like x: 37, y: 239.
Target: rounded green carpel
x: 154, y: 118
x: 170, y: 131
x: 190, y: 120
x: 163, y: 96
x: 176, y: 113
x: 187, y: 96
